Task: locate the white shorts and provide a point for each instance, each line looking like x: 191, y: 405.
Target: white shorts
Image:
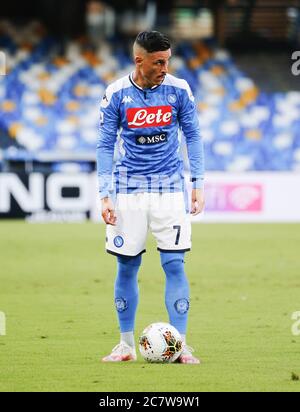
x: 164, y: 213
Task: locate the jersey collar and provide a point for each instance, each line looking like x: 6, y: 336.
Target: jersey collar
x: 139, y: 87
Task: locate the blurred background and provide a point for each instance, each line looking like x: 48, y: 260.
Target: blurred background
x: 239, y: 57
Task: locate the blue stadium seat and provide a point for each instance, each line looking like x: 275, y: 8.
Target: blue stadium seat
x: 49, y: 104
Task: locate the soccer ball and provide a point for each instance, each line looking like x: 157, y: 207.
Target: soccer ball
x: 160, y: 343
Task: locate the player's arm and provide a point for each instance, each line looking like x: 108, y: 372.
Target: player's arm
x: 188, y: 120
x: 109, y: 122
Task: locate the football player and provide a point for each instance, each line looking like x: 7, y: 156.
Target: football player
x: 142, y: 114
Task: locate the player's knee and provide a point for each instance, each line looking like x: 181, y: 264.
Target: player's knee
x: 130, y: 261
x: 172, y: 261
x: 175, y: 269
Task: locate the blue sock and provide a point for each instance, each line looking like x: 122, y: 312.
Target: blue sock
x: 177, y: 290
x: 127, y: 292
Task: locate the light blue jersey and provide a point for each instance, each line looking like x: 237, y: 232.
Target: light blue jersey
x: 143, y: 125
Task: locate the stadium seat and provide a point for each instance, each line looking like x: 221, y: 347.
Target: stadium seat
x: 49, y: 103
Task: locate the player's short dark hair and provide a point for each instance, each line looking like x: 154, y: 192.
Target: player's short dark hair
x: 153, y: 41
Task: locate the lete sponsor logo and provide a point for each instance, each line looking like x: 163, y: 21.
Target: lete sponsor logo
x: 149, y: 117
x: 234, y: 197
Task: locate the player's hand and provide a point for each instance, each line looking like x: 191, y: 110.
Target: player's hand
x: 197, y: 201
x: 108, y: 212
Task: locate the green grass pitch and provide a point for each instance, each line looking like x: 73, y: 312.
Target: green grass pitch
x: 56, y: 290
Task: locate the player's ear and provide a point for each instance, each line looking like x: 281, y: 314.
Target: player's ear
x: 138, y: 60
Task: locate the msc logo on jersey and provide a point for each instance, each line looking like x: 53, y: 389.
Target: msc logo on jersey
x: 155, y: 139
x: 149, y: 117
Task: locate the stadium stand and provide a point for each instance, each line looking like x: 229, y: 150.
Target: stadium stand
x: 49, y: 103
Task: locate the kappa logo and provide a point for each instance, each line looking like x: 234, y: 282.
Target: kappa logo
x: 149, y: 117
x: 127, y: 99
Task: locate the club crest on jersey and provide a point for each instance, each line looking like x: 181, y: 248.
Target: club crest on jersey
x: 149, y: 117
x: 172, y: 98
x: 154, y: 139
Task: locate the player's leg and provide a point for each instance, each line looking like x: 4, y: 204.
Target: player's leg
x: 126, y: 240
x: 177, y: 293
x: 126, y: 302
x: 127, y: 292
x: 171, y: 226
x: 128, y: 237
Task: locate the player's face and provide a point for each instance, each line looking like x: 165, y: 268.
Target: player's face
x: 154, y: 67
